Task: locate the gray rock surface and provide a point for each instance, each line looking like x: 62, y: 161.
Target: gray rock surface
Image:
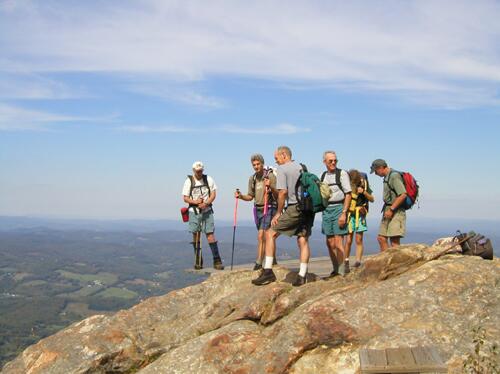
x: 402, y: 297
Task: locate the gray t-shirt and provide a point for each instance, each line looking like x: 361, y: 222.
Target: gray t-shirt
x: 338, y: 194
x: 287, y: 176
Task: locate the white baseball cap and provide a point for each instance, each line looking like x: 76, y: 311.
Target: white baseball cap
x: 198, y: 165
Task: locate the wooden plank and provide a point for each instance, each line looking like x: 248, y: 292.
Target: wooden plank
x: 401, y: 360
x: 364, y: 360
x: 400, y: 357
x: 426, y: 355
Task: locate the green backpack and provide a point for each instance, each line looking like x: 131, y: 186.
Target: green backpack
x: 308, y: 192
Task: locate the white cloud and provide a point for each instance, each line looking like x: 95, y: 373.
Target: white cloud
x: 281, y: 129
x: 14, y: 118
x: 154, y: 129
x: 414, y: 48
x: 36, y: 87
x: 180, y: 93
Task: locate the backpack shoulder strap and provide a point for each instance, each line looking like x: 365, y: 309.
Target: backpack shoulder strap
x: 205, y: 182
x: 323, y: 176
x: 191, y: 178
x: 338, y: 180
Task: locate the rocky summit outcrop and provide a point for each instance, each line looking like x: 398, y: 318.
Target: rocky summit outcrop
x: 403, y: 297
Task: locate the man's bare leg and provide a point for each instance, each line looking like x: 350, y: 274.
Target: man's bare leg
x: 382, y: 242
x: 395, y: 241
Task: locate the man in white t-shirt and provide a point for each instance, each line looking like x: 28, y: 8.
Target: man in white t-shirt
x: 199, y: 192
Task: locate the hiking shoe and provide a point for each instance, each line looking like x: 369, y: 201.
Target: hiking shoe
x: 266, y: 277
x: 257, y: 267
x: 198, y: 267
x: 357, y: 264
x: 347, y: 269
x: 275, y: 261
x: 332, y: 274
x: 299, y: 281
x: 218, y: 264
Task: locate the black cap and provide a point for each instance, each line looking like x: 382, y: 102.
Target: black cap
x: 377, y: 164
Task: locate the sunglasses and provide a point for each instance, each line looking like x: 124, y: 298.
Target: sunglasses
x: 331, y: 161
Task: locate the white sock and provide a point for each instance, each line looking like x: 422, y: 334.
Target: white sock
x: 258, y: 261
x: 268, y: 263
x: 303, y: 269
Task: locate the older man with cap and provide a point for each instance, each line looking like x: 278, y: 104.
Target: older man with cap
x: 393, y: 225
x: 199, y: 192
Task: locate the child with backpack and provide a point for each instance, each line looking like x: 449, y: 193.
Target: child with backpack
x: 361, y: 196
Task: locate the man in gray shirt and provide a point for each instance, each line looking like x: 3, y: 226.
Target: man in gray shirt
x: 290, y: 222
x: 334, y: 224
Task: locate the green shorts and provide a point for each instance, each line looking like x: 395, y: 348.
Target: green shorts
x: 203, y: 222
x: 330, y: 224
x: 394, y: 227
x: 293, y: 222
x: 357, y: 226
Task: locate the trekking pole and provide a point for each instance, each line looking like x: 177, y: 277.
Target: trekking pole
x: 234, y: 229
x: 266, y: 192
x: 442, y: 253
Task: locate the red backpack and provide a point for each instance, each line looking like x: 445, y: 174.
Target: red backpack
x: 411, y: 186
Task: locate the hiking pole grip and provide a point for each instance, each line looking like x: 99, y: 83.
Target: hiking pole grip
x: 235, y: 211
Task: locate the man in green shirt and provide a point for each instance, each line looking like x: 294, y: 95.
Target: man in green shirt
x: 393, y: 225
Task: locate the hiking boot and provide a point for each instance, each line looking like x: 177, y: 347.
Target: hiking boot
x: 257, y: 267
x: 332, y: 274
x: 266, y: 277
x: 299, y: 281
x: 218, y: 264
x: 275, y: 261
x: 198, y: 267
x: 347, y: 269
x: 357, y: 264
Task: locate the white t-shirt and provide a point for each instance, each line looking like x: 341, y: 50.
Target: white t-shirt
x: 199, y: 190
x: 338, y: 194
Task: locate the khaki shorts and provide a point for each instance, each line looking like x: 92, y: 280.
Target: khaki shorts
x: 292, y: 222
x: 395, y: 226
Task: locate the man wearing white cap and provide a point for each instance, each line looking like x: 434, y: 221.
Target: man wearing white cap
x: 199, y: 192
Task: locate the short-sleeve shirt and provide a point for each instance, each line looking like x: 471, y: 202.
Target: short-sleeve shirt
x: 287, y: 177
x: 199, y: 190
x: 258, y: 183
x: 338, y: 193
x: 393, y: 187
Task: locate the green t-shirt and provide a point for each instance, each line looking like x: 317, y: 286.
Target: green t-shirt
x: 258, y: 192
x: 393, y: 187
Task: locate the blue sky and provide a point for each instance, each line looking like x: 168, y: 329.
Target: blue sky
x: 104, y: 106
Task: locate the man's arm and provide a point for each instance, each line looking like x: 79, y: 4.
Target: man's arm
x: 241, y: 196
x: 211, y: 198
x: 190, y: 201
x: 389, y: 213
x: 343, y: 216
x: 282, y: 195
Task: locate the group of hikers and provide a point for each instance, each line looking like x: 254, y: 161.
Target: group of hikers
x: 282, y: 206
